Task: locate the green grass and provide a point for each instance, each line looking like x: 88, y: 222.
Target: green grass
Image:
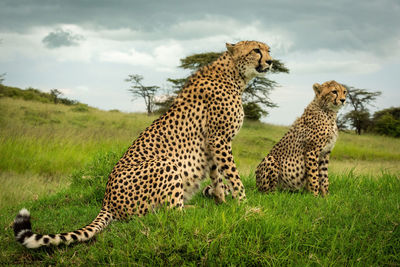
x: 17, y: 188
x: 55, y: 160
x: 54, y: 140
x: 50, y: 139
x: 366, y: 147
x: 358, y: 224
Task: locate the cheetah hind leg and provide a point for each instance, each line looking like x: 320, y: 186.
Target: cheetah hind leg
x: 170, y: 183
x: 267, y: 174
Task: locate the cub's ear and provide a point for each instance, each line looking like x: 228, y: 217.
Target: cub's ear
x: 317, y: 88
x: 230, y: 47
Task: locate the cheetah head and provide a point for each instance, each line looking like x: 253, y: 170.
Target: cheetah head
x: 331, y: 94
x: 251, y: 57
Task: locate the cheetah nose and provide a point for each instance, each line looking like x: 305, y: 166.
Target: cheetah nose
x: 269, y: 62
x: 342, y: 100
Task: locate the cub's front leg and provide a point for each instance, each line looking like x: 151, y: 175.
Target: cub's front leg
x: 323, y: 174
x: 311, y: 162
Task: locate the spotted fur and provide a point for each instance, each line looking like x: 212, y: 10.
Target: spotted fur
x: 192, y: 140
x: 300, y: 159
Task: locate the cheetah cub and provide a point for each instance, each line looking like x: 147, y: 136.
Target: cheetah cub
x: 300, y: 159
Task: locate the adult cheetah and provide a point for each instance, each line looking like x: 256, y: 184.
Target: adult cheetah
x: 191, y: 140
x: 300, y: 159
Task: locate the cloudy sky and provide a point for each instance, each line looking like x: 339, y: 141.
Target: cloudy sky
x: 87, y: 48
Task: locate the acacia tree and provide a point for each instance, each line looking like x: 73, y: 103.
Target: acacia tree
x: 359, y: 116
x: 165, y: 101
x: 255, y: 96
x: 139, y: 90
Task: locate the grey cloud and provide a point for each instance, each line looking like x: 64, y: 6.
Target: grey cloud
x: 60, y: 38
x: 334, y: 25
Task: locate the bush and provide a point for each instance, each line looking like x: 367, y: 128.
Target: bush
x: 254, y: 112
x: 80, y: 108
x: 67, y: 101
x: 394, y: 111
x: 387, y: 122
x: 387, y: 125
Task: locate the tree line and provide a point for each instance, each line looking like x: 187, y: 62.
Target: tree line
x: 256, y: 100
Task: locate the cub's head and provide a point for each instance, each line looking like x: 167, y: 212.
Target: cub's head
x: 331, y: 95
x: 251, y: 57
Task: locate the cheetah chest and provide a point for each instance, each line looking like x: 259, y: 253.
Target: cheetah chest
x: 238, y: 121
x: 331, y: 142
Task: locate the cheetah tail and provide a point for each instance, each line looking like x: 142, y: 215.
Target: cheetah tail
x: 24, y: 235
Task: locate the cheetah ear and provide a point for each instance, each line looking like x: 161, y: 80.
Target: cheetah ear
x: 230, y: 47
x: 317, y: 88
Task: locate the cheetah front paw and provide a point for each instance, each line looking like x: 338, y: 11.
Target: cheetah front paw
x: 217, y: 193
x: 324, y: 193
x: 208, y: 191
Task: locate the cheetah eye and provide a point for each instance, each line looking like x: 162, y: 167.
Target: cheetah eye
x: 344, y: 92
x: 257, y: 50
x: 334, y: 92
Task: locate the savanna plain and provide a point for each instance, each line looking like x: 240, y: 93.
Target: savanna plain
x: 55, y: 159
